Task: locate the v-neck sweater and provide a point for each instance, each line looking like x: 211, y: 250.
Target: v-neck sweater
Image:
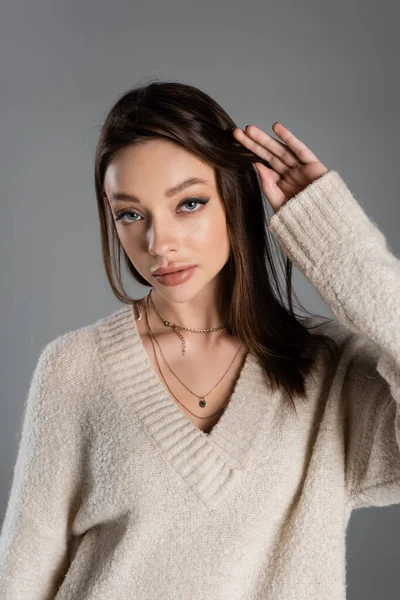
x: 116, y: 494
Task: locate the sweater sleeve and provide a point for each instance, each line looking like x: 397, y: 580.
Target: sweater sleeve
x: 329, y: 237
x: 44, y: 494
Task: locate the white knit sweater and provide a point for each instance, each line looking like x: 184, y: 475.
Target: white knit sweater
x: 116, y: 495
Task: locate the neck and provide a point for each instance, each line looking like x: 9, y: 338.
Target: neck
x: 196, y: 313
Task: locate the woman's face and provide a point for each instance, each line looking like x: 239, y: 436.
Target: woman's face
x: 165, y: 228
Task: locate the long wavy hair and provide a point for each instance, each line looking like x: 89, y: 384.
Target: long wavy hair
x: 249, y: 294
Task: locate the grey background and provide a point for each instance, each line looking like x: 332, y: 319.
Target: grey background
x: 328, y: 71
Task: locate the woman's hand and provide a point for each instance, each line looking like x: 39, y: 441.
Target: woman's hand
x: 294, y: 166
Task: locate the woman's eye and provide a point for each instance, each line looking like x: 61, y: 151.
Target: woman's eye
x: 199, y: 201
x: 122, y: 214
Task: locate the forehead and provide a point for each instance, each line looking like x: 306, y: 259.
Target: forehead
x: 152, y: 167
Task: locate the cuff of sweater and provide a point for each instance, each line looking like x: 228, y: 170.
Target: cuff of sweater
x: 322, y: 218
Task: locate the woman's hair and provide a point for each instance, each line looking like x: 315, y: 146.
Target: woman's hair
x: 249, y: 295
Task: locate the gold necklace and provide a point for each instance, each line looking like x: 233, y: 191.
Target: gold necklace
x: 176, y: 327
x: 202, y: 402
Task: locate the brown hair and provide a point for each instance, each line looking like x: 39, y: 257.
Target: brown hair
x: 252, y: 306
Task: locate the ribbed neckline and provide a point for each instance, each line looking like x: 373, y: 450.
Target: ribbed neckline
x: 209, y: 463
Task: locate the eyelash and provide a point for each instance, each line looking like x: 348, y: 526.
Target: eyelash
x: 122, y: 213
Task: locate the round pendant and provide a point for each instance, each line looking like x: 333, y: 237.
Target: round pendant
x: 202, y: 403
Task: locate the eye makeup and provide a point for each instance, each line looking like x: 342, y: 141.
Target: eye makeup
x: 200, y: 201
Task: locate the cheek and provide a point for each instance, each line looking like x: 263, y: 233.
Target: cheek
x: 210, y: 235
x: 131, y: 245
x: 128, y: 242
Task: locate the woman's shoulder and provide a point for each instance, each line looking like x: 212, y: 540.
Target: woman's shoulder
x: 81, y: 338
x: 329, y: 326
x: 356, y: 351
x: 75, y: 353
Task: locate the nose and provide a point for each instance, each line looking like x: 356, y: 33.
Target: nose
x: 162, y: 236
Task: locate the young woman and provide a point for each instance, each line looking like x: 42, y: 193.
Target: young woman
x: 205, y: 441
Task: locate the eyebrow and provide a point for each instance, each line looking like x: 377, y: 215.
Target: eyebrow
x: 172, y: 191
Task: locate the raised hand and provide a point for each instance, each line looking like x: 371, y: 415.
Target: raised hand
x: 293, y: 164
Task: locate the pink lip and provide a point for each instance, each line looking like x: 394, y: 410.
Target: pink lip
x: 172, y: 269
x: 176, y: 278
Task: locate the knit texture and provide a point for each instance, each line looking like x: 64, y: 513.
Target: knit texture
x: 116, y: 494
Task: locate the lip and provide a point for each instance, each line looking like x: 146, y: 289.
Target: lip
x: 172, y: 269
x: 176, y: 278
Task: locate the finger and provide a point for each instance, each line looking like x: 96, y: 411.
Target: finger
x: 269, y: 180
x: 302, y: 152
x: 282, y: 151
x: 263, y: 172
x: 252, y: 140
